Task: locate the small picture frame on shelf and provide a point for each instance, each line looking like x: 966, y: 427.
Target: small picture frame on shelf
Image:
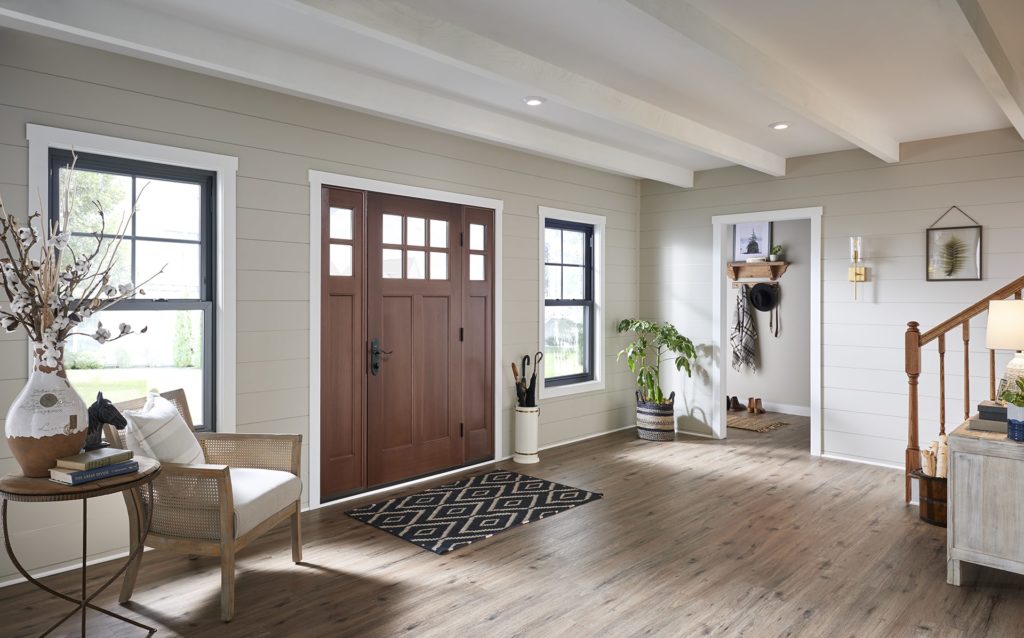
x: 751, y: 240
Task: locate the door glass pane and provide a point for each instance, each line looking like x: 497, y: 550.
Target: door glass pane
x: 476, y: 237
x: 564, y: 340
x: 552, y: 282
x: 169, y: 210
x: 416, y: 231
x: 391, y: 231
x: 476, y: 268
x: 572, y: 282
x: 341, y: 223
x: 167, y: 357
x: 438, y: 233
x: 180, y: 263
x: 572, y: 247
x: 438, y: 265
x: 113, y: 193
x: 391, y: 267
x: 552, y: 245
x: 416, y: 267
x: 341, y: 260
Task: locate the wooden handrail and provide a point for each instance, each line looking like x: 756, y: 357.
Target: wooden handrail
x: 915, y: 340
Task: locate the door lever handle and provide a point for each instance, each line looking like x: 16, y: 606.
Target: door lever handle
x: 375, y: 353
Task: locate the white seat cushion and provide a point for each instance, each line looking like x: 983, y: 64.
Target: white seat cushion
x: 159, y: 432
x: 259, y: 494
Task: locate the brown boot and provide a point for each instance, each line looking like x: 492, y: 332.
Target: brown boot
x: 758, y: 406
x: 734, y: 404
x: 750, y: 405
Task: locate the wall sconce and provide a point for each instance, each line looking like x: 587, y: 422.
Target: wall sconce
x: 858, y: 272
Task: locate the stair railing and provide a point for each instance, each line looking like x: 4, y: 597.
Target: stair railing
x: 915, y: 340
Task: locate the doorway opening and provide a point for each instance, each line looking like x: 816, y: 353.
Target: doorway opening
x: 788, y: 376
x: 404, y: 336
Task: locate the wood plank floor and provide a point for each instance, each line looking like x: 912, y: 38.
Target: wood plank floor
x: 745, y: 537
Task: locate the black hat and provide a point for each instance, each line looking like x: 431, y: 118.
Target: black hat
x: 764, y: 297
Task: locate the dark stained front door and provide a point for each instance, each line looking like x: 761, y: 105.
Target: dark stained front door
x: 408, y: 340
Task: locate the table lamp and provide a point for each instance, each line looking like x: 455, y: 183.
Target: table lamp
x: 1006, y: 332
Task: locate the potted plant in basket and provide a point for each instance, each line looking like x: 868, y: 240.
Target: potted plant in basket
x: 1014, y: 398
x: 52, y: 285
x: 654, y: 343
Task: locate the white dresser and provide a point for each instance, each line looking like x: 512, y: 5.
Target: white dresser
x: 985, y: 521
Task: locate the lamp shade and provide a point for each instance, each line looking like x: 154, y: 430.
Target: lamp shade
x: 1005, y: 325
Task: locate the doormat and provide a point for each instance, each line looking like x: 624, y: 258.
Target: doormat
x: 756, y: 422
x: 443, y: 519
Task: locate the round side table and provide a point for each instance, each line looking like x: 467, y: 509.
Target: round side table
x: 41, y: 490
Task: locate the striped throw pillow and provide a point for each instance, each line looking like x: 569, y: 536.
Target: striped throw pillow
x: 159, y: 432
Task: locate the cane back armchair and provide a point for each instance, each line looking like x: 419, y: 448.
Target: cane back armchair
x: 198, y: 508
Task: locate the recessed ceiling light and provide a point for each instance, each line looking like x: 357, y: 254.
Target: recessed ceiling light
x: 780, y: 126
x: 533, y: 100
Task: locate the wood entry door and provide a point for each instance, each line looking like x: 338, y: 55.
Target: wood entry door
x: 407, y: 339
x: 414, y: 317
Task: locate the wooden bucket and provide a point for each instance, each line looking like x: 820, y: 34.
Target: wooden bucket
x: 933, y: 498
x: 656, y: 421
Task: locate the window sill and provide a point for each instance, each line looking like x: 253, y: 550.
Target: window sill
x: 573, y: 388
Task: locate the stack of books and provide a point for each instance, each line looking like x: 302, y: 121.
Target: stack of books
x: 93, y: 466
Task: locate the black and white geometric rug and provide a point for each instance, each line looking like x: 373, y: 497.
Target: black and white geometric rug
x: 445, y: 518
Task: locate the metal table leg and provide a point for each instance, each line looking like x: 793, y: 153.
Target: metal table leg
x: 85, y: 602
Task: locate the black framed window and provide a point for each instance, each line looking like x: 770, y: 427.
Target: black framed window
x: 568, y: 302
x: 172, y: 229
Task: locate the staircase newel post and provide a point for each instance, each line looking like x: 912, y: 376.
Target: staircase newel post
x: 913, y: 368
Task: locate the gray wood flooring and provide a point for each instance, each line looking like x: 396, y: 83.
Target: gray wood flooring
x: 745, y: 537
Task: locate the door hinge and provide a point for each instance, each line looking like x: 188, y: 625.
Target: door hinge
x: 462, y: 429
x: 462, y: 334
x: 460, y: 239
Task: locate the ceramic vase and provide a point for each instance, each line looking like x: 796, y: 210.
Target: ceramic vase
x: 1015, y: 422
x: 48, y: 419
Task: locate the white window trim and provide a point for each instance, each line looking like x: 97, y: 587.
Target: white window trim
x: 598, y: 222
x: 42, y: 138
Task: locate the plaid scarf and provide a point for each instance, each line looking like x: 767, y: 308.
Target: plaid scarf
x: 743, y: 337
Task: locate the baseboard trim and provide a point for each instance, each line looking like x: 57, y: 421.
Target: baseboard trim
x: 785, y: 408
x: 854, y: 459
x: 585, y: 437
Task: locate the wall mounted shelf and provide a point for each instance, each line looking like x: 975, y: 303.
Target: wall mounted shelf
x: 768, y: 270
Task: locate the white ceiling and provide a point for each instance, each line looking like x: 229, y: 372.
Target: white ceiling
x: 650, y: 88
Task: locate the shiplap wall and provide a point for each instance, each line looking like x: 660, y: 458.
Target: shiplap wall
x: 864, y: 395
x: 278, y: 139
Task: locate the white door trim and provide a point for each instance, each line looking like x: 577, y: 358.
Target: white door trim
x: 319, y: 179
x: 721, y: 246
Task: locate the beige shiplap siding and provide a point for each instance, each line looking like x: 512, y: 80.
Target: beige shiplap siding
x: 890, y: 205
x: 278, y: 139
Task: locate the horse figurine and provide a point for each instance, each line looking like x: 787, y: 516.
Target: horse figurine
x: 100, y: 412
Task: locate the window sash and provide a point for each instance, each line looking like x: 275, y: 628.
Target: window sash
x: 135, y: 169
x: 587, y: 302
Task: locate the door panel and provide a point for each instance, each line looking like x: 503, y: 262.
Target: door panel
x: 414, y: 308
x: 478, y: 319
x: 342, y: 333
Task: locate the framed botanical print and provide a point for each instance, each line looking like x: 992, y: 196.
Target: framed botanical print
x: 751, y: 240
x: 954, y: 254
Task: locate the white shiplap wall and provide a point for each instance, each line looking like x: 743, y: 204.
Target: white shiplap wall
x: 278, y: 139
x: 865, y: 400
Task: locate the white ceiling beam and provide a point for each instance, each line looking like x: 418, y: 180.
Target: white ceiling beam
x: 132, y: 30
x: 780, y: 81
x: 403, y: 26
x: 974, y: 33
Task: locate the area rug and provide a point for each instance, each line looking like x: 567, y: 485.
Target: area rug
x: 443, y: 519
x: 756, y: 422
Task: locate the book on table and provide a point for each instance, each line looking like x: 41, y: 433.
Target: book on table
x: 94, y: 458
x: 77, y: 477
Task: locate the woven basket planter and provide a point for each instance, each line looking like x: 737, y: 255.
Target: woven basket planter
x: 656, y: 421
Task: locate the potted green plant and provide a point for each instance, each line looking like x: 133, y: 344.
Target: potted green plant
x: 654, y: 343
x: 776, y: 253
x: 1014, y: 398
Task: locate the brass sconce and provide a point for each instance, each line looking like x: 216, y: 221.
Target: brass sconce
x: 858, y: 272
